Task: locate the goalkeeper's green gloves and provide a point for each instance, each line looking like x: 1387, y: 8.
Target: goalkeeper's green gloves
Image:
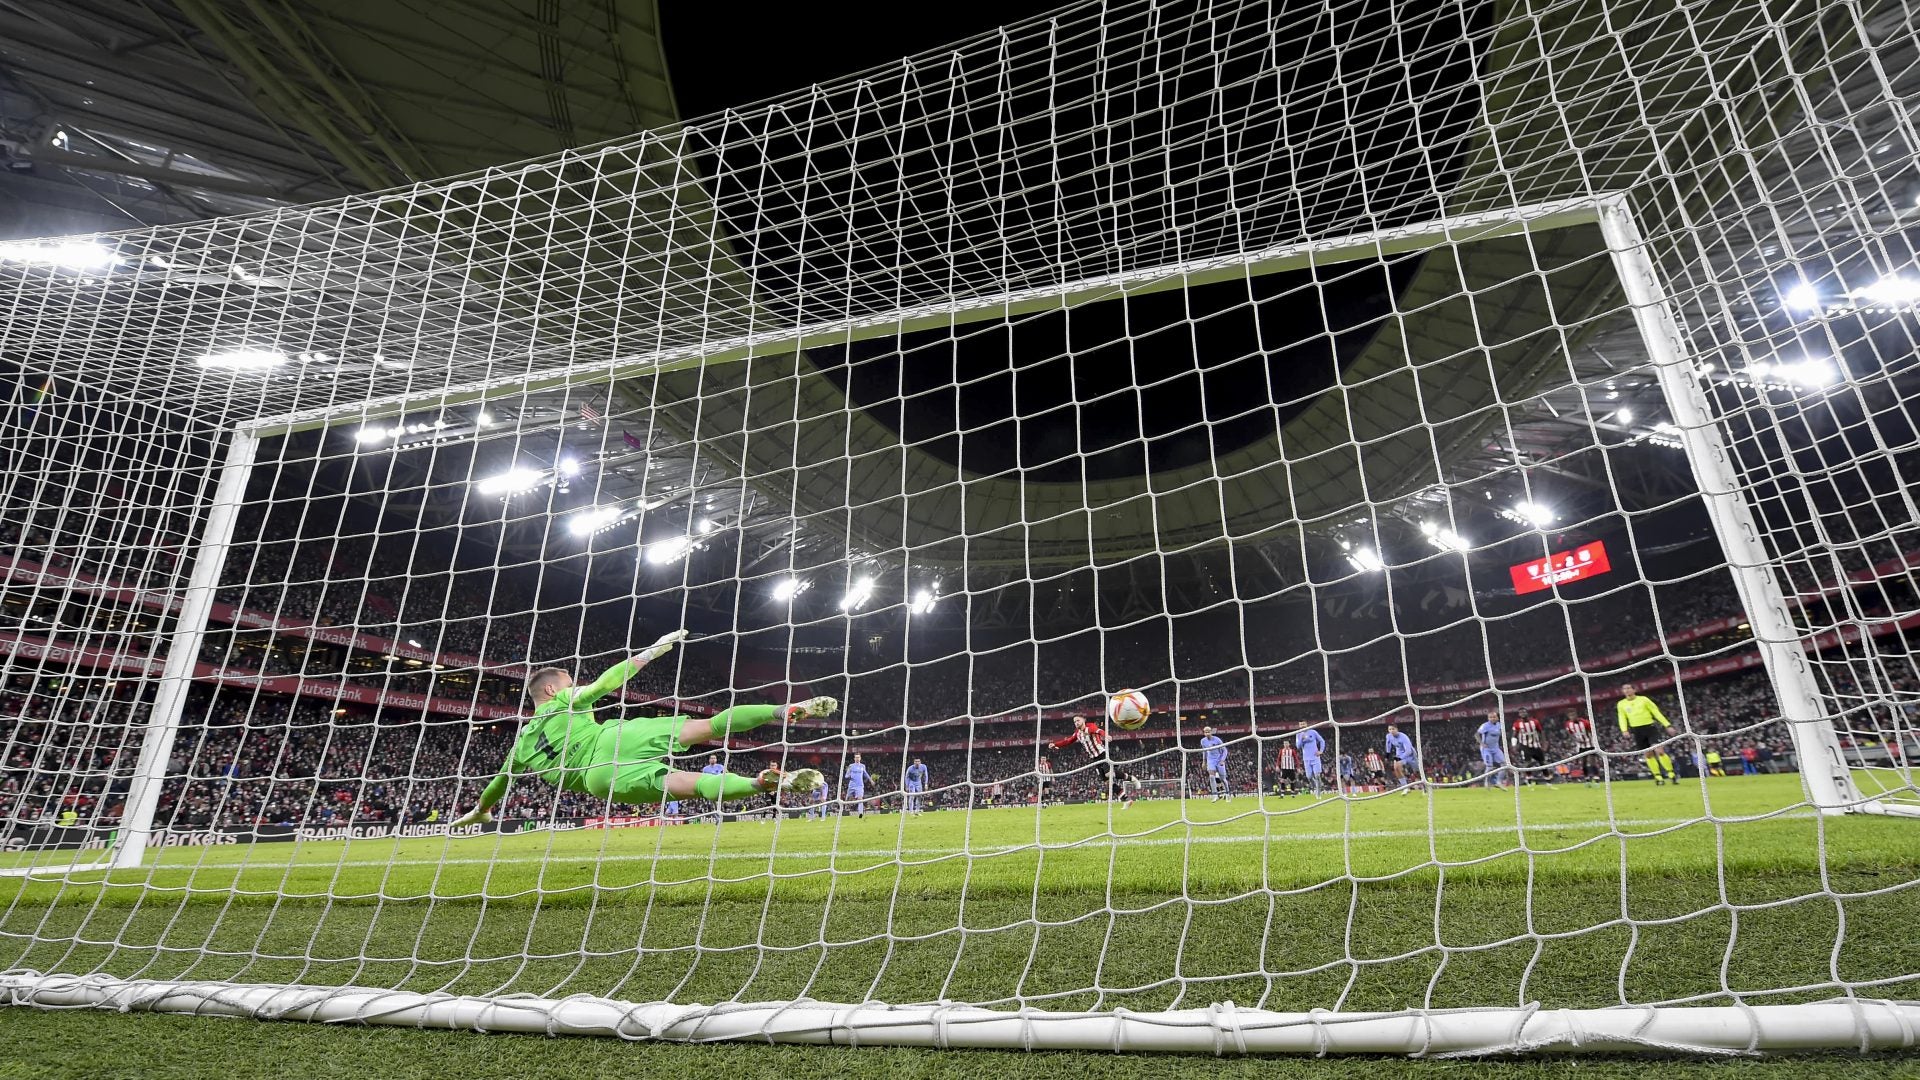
x: 475, y: 816
x: 662, y: 647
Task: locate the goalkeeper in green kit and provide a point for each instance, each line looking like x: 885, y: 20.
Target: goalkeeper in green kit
x: 626, y: 762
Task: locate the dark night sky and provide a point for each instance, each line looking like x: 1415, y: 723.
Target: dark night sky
x: 722, y: 55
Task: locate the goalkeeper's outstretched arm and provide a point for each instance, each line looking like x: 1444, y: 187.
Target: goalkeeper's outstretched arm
x: 490, y: 797
x: 617, y: 675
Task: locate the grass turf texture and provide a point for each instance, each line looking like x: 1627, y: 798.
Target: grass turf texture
x: 1606, y: 893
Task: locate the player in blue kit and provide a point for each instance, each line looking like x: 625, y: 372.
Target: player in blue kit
x: 1214, y: 749
x: 1312, y: 748
x: 713, y: 768
x: 854, y: 788
x: 1406, y: 760
x: 916, y: 782
x: 1493, y: 754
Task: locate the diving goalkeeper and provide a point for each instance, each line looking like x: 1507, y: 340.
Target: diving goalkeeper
x: 626, y: 762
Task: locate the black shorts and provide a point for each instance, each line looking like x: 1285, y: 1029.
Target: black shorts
x: 1645, y: 736
x: 1289, y: 774
x: 1533, y: 755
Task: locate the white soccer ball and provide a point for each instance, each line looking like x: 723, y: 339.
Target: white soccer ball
x: 1128, y: 709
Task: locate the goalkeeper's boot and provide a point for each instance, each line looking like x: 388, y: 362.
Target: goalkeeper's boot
x: 797, y: 782
x: 813, y: 709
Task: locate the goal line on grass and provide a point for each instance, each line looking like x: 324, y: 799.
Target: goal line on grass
x: 1614, y: 827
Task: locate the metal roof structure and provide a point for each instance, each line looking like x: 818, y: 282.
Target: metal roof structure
x: 117, y: 114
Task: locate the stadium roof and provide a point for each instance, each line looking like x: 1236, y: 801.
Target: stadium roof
x: 645, y: 263
x: 114, y: 114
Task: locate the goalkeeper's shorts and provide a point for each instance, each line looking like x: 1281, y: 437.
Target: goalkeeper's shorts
x: 630, y: 760
x: 1645, y: 735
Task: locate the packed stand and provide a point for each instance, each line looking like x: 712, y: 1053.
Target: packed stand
x: 266, y: 760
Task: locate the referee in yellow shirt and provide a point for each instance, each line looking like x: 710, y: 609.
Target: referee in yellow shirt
x: 1638, y: 715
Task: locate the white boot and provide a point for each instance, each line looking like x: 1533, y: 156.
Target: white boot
x: 812, y: 709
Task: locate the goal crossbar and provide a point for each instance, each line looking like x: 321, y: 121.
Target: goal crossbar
x: 1372, y: 244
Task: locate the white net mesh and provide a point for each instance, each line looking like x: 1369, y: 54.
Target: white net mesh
x: 1270, y: 359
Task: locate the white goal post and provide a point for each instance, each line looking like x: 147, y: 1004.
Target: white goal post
x: 1784, y: 647
x: 1823, y: 768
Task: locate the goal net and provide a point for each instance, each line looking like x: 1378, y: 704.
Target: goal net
x: 1485, y: 434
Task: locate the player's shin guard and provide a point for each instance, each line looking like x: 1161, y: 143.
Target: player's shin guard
x: 1666, y: 766
x: 718, y: 786
x: 743, y: 718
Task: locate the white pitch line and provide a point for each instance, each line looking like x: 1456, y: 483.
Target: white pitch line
x: 1097, y: 841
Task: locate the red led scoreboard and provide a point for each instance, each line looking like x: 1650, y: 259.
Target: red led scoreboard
x: 1585, y: 561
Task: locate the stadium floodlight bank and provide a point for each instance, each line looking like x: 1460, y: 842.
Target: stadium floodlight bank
x: 1601, y: 205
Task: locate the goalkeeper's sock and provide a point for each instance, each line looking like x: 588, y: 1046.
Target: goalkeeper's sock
x: 743, y: 718
x: 1666, y: 766
x: 718, y: 786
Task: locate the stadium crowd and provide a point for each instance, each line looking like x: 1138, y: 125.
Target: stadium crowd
x: 273, y: 760
x: 247, y: 758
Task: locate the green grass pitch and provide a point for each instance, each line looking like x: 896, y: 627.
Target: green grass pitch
x: 1568, y: 895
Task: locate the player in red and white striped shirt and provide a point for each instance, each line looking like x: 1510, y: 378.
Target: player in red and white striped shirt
x: 1586, y: 749
x: 1289, y: 766
x: 1529, y: 742
x: 1374, y: 767
x: 1093, y: 740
